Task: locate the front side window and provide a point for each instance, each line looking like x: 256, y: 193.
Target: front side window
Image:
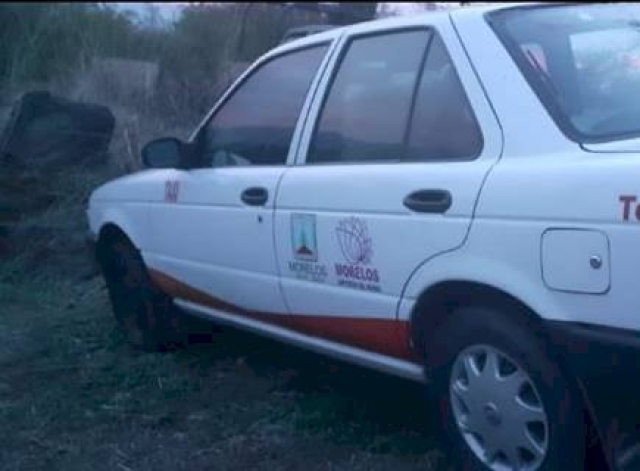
x: 583, y: 61
x: 256, y: 124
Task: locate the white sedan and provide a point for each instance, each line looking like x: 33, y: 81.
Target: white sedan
x: 451, y: 196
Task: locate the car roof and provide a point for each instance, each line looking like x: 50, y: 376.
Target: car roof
x: 473, y: 10
x: 304, y: 29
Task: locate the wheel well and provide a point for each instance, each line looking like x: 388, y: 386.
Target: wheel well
x: 436, y: 303
x: 109, y: 234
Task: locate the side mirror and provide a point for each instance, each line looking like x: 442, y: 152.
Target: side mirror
x: 163, y: 153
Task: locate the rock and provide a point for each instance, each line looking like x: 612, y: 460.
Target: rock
x: 47, y: 132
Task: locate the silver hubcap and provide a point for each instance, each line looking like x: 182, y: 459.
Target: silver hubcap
x: 498, y: 410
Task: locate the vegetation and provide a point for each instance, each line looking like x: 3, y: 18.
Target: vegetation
x: 40, y: 41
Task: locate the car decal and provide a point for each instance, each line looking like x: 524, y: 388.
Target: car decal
x: 629, y: 207
x: 386, y: 336
x: 303, y: 237
x: 356, y: 246
x: 304, y: 245
x: 171, y: 191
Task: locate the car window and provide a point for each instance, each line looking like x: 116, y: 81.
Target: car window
x: 256, y: 124
x: 443, y: 126
x: 366, y: 111
x: 585, y: 65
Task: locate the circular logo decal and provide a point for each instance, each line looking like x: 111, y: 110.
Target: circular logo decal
x: 354, y: 240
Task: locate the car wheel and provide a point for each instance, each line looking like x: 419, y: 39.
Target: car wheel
x: 503, y: 403
x: 147, y: 316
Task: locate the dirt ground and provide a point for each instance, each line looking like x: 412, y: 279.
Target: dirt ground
x: 75, y: 396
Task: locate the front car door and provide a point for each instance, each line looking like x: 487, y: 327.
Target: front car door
x: 212, y: 237
x: 387, y: 177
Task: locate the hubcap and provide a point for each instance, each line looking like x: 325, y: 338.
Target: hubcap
x: 492, y: 415
x: 498, y: 410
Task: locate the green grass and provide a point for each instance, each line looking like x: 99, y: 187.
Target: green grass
x: 73, y: 395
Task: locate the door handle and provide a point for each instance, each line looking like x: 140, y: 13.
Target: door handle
x: 428, y: 201
x: 255, y: 196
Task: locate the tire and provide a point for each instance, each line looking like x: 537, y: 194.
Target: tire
x: 530, y: 386
x: 148, y: 317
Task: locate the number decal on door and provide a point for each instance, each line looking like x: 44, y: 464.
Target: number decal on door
x: 171, y: 191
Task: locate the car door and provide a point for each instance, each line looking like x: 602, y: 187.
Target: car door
x: 387, y: 177
x: 212, y: 237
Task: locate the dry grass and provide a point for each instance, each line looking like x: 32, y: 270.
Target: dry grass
x: 139, y: 117
x: 133, y: 130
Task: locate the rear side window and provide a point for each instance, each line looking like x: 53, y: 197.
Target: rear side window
x: 395, y: 97
x: 256, y: 124
x: 443, y: 126
x: 365, y: 115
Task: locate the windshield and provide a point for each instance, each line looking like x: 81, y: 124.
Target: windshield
x: 583, y: 61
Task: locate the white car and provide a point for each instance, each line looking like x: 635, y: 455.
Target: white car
x: 451, y: 196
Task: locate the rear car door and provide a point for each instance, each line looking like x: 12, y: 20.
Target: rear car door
x: 388, y: 173
x: 213, y: 232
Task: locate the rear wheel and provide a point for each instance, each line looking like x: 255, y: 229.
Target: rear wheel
x: 504, y: 404
x: 147, y: 316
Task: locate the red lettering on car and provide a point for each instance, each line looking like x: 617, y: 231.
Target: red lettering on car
x: 171, y: 191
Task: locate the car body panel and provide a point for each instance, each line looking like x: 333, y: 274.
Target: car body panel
x: 227, y: 244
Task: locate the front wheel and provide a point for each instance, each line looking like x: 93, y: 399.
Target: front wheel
x: 504, y: 404
x: 147, y: 316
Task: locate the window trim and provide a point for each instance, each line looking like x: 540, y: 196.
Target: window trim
x: 539, y: 89
x: 416, y: 88
x: 250, y: 72
x: 433, y: 32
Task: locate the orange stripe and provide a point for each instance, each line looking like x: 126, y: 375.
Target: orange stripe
x: 386, y: 336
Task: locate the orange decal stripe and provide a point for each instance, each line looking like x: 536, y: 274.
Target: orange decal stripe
x: 386, y: 336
